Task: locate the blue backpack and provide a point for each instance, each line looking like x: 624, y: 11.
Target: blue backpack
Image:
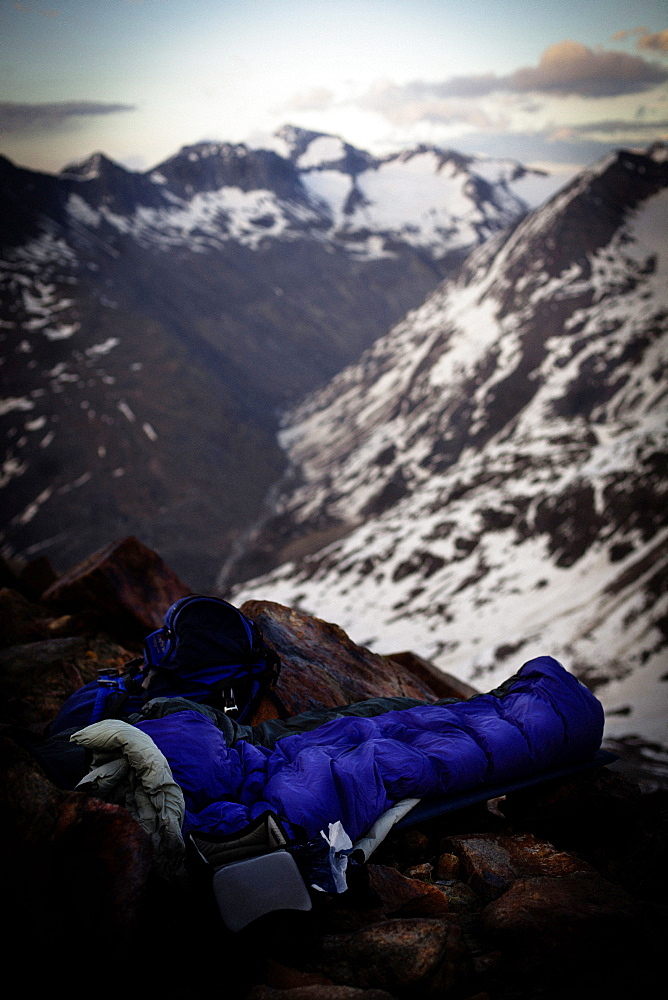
x: 207, y: 651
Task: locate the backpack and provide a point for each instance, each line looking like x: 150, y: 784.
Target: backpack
x: 206, y: 651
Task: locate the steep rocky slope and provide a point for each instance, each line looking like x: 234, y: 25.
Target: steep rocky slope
x: 491, y: 476
x: 151, y: 324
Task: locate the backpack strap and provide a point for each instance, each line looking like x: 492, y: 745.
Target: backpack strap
x: 114, y: 689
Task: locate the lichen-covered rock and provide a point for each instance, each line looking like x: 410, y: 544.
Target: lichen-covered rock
x: 322, y: 667
x: 36, y: 678
x: 126, y: 581
x: 576, y: 924
x: 492, y: 862
x: 422, y: 873
x: 406, y: 956
x: 602, y: 816
x: 78, y: 865
x: 447, y: 867
x: 459, y: 896
x: 444, y: 685
x: 386, y: 893
x: 21, y: 620
x: 317, y: 991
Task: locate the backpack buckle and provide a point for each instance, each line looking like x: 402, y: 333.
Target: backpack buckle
x: 107, y: 677
x: 229, y: 701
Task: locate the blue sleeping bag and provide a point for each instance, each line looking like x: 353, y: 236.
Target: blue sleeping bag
x: 353, y: 769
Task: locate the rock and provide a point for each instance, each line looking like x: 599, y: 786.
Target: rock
x: 603, y: 816
x: 317, y: 992
x: 9, y: 574
x: 459, y: 896
x: 284, y: 977
x: 443, y: 685
x: 492, y: 862
x: 423, y: 872
x: 405, y: 895
x: 322, y: 667
x: 415, y: 956
x: 36, y: 678
x: 21, y: 620
x: 447, y: 867
x: 78, y: 865
x: 562, y: 927
x: 37, y: 576
x: 378, y: 893
x: 126, y: 582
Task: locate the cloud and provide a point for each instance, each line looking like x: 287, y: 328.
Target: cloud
x: 569, y: 68
x: 415, y: 102
x: 621, y: 36
x: 658, y: 42
x: 316, y: 99
x: 631, y: 131
x: 646, y: 40
x: 565, y: 69
x: 20, y: 118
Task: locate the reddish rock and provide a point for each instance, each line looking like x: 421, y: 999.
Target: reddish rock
x: 21, y: 620
x: 37, y: 576
x: 36, y: 678
x: 573, y: 925
x: 378, y: 892
x: 459, y: 896
x: 322, y: 667
x: 317, y: 992
x: 77, y: 863
x: 492, y: 862
x: 603, y: 816
x: 284, y: 977
x: 404, y: 896
x: 447, y: 867
x: 444, y: 685
x: 125, y: 581
x: 422, y: 873
x: 424, y: 957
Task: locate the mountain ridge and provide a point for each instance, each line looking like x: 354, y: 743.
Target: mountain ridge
x: 492, y: 472
x: 153, y: 324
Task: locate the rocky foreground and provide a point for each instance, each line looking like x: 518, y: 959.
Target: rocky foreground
x: 553, y: 892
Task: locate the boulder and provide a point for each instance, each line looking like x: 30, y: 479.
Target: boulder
x: 406, y: 956
x: 492, y: 862
x: 78, y: 866
x: 604, y: 817
x: 21, y: 620
x: 459, y: 896
x: 317, y: 992
x: 444, y: 685
x: 577, y: 928
x: 447, y: 867
x: 37, y: 576
x: 126, y: 582
x: 36, y: 678
x: 379, y: 892
x: 322, y: 666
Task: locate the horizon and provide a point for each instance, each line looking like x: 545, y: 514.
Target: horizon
x: 555, y: 88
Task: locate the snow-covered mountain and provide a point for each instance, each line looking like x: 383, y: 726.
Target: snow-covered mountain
x: 488, y: 482
x: 152, y: 324
x: 435, y: 200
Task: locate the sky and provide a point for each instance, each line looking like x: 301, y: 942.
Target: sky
x: 553, y: 83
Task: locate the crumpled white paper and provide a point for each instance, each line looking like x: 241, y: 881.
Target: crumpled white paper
x: 340, y: 846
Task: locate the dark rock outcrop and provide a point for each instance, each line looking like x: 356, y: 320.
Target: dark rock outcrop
x: 125, y: 581
x: 551, y: 892
x: 322, y: 667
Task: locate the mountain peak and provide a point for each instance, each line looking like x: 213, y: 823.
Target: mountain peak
x: 94, y: 166
x: 323, y: 151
